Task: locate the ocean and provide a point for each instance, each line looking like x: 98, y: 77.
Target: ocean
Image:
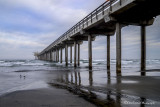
x: 99, y: 85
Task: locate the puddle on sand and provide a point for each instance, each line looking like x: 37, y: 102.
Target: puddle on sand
x: 100, y: 95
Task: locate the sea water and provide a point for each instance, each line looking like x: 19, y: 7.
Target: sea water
x: 18, y: 75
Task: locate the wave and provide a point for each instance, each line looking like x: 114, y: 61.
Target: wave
x: 124, y: 61
x: 13, y: 63
x: 2, y: 61
x: 32, y: 64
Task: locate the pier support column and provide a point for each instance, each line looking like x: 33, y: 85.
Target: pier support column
x: 58, y: 55
x: 61, y: 56
x: 118, y: 48
x: 108, y: 52
x: 75, y: 53
x: 50, y: 55
x: 90, y: 51
x: 70, y: 54
x: 78, y: 54
x: 143, y: 47
x: 66, y: 55
x: 55, y: 55
x: 46, y: 56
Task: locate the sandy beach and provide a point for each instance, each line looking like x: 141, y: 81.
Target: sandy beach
x: 47, y: 97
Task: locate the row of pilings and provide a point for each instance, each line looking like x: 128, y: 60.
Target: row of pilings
x: 56, y: 54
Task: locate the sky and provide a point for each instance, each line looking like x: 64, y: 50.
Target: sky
x: 28, y: 26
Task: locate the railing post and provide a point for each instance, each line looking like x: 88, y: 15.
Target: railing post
x: 83, y: 23
x: 103, y: 10
x: 96, y: 15
x: 120, y: 2
x: 110, y: 5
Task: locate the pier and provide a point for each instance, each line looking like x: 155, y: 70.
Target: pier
x: 106, y: 20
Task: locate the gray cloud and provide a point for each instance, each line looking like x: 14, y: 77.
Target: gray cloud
x: 31, y: 25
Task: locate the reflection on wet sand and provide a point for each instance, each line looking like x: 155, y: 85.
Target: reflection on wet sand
x: 143, y: 101
x: 79, y: 76
x: 66, y: 74
x: 90, y: 78
x: 75, y: 73
x: 108, y: 77
x: 99, y: 95
x: 71, y: 78
x: 143, y: 73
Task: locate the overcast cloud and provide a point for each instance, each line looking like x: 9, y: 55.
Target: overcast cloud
x: 31, y: 25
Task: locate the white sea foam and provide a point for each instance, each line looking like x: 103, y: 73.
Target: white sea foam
x: 2, y: 61
x: 10, y: 63
x: 5, y: 64
x: 33, y: 64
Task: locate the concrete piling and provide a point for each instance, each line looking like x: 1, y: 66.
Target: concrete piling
x: 75, y: 54
x: 70, y: 54
x: 51, y: 55
x: 66, y: 54
x: 90, y: 51
x: 118, y: 48
x: 61, y: 56
x: 78, y: 54
x: 108, y: 52
x: 143, y: 48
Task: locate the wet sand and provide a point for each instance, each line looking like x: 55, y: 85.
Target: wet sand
x: 47, y: 97
x: 121, y: 91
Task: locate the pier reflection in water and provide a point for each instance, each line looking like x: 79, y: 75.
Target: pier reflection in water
x: 108, y: 92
